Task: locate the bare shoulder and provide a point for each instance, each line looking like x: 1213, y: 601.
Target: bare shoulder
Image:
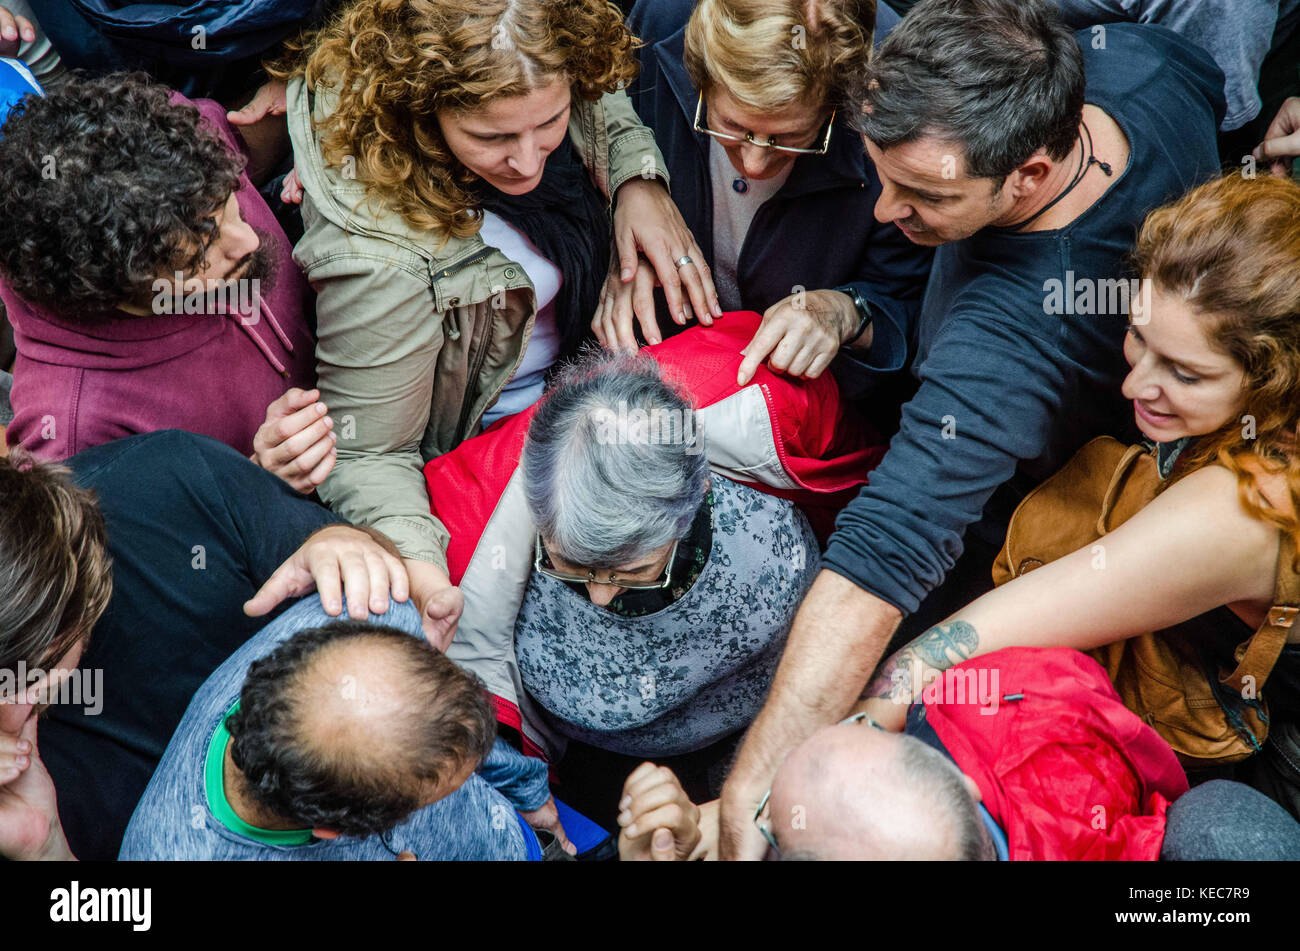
x: 1211, y: 493
x: 1203, y: 511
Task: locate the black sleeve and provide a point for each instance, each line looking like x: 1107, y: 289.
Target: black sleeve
x: 891, y: 278
x: 194, y: 529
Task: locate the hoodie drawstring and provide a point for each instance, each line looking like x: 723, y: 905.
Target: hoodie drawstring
x: 265, y: 311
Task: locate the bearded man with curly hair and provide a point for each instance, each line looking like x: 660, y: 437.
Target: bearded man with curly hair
x: 148, y: 284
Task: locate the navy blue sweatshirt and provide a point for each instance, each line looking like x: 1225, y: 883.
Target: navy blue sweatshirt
x: 1013, y: 381
x: 817, y: 232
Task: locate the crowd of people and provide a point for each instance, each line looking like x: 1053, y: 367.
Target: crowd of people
x: 709, y: 429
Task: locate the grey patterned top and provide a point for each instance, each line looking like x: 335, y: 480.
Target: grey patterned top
x: 684, y: 677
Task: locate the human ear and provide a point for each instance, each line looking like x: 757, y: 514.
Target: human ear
x: 1029, y: 177
x: 972, y: 788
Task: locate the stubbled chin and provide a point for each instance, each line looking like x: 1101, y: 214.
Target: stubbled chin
x: 926, y: 239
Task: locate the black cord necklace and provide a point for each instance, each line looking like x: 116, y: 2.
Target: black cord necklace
x: 1084, y: 165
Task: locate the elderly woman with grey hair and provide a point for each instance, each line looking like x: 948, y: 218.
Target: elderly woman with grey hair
x: 628, y: 582
x: 661, y: 595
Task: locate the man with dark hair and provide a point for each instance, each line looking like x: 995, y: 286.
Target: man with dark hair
x: 148, y: 284
x: 339, y: 741
x: 298, y: 742
x: 1029, y: 156
x: 55, y: 582
x: 1239, y: 34
x: 50, y: 530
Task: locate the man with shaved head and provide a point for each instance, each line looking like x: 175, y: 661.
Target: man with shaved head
x: 922, y: 805
x: 324, y: 739
x: 1040, y: 761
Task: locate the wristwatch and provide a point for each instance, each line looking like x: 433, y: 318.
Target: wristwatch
x: 864, y: 310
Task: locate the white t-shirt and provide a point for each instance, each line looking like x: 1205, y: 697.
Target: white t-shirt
x: 525, y: 387
x: 732, y: 213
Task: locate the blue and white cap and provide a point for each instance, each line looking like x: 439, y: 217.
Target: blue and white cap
x: 16, y: 81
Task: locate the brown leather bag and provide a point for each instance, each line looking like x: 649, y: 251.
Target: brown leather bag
x: 1159, y: 675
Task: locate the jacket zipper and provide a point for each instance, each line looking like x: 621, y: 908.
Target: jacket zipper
x: 452, y: 268
x: 476, y: 367
x: 528, y: 335
x: 477, y: 358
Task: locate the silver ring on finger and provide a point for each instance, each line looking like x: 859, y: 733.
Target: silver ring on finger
x: 684, y: 260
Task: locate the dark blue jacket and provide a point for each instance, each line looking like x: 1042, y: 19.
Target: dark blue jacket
x: 164, y: 38
x: 817, y: 232
x: 1012, y: 380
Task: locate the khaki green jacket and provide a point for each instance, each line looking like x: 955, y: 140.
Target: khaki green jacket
x: 417, y: 340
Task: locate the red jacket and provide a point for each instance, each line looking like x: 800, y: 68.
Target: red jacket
x: 790, y: 437
x: 1068, y: 771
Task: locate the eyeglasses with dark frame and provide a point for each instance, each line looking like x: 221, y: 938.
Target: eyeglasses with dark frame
x: 769, y: 144
x: 541, y: 555
x: 765, y: 824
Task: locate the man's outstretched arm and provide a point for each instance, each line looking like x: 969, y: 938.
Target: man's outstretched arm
x: 838, y: 636
x: 898, y: 539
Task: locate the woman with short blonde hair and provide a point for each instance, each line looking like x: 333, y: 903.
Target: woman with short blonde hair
x: 770, y: 53
x: 746, y: 101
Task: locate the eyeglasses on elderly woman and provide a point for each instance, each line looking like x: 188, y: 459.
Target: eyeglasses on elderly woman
x: 542, y: 562
x: 749, y: 136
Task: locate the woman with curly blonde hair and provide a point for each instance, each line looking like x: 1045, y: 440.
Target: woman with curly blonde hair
x: 746, y: 100
x: 1215, y: 385
x: 458, y: 161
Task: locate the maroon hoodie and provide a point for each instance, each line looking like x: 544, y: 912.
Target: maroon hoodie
x: 79, y: 383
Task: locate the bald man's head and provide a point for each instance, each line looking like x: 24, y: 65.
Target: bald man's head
x: 352, y: 727
x: 853, y: 792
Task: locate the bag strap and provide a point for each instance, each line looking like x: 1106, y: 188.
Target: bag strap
x: 1264, y: 647
x: 1116, y: 486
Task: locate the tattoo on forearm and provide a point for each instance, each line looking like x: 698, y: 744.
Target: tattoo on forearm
x: 946, y: 644
x: 897, y: 669
x: 941, y: 647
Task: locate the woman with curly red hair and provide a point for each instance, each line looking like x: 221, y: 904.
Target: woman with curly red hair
x: 459, y: 159
x: 1215, y: 385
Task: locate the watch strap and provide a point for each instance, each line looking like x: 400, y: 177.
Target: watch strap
x: 863, y: 308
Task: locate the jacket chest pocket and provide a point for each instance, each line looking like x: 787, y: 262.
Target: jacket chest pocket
x: 460, y: 282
